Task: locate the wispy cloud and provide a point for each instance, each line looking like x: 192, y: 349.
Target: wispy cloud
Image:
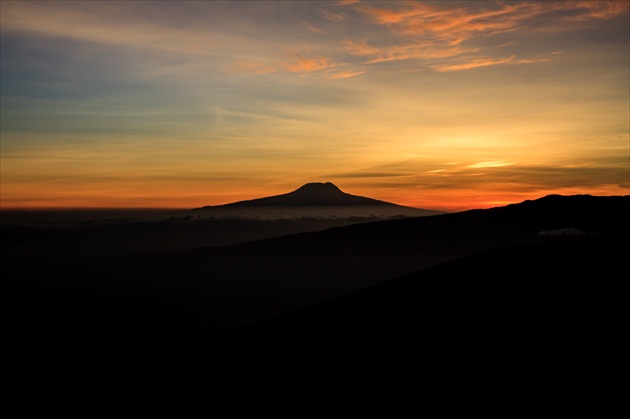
x: 345, y: 74
x: 598, y: 9
x: 312, y: 28
x: 490, y: 164
x: 332, y: 16
x: 292, y: 63
x: 112, y: 25
x: 460, y: 175
x: 197, y: 48
x: 363, y: 174
x: 485, y: 62
x: 418, y: 50
x: 452, y: 25
x: 301, y: 64
x: 427, y: 31
x: 463, y: 23
x: 295, y: 62
x: 478, y: 185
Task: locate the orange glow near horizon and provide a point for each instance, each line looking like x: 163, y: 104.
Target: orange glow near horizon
x: 460, y: 200
x: 437, y: 105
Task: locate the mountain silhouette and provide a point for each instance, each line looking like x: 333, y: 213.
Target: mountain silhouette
x: 311, y: 194
x: 319, y: 198
x: 180, y: 296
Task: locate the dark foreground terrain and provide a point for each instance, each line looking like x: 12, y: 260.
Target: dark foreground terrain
x: 563, y: 295
x: 537, y: 279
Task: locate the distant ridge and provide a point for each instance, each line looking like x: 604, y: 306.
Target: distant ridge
x: 326, y: 196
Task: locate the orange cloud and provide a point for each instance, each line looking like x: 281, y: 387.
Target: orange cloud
x: 361, y: 48
x: 422, y: 18
x: 301, y: 64
x: 385, y: 16
x: 602, y: 9
x: 335, y: 17
x: 452, y: 24
x: 485, y: 62
x: 312, y: 28
x: 420, y: 49
x: 434, y: 31
x: 428, y: 31
x: 297, y: 63
x: 346, y: 74
x: 346, y: 2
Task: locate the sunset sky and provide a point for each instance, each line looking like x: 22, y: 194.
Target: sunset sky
x: 445, y: 105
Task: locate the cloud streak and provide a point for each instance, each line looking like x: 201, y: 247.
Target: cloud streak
x: 292, y: 63
x: 485, y: 62
x: 112, y: 25
x: 417, y: 50
x: 345, y: 74
x: 598, y: 9
x: 300, y: 64
x: 480, y: 185
x: 430, y: 31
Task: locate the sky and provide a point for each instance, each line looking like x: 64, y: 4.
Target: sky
x: 448, y: 105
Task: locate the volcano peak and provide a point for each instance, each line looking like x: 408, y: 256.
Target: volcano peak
x: 327, y: 198
x: 317, y: 188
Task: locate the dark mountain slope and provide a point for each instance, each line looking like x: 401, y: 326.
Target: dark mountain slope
x: 558, y: 294
x: 105, y: 298
x: 306, y: 268
x: 539, y: 320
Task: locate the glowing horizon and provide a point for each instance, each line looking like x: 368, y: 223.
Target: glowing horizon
x: 438, y: 105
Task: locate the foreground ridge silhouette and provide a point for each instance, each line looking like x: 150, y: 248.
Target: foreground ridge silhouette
x: 51, y: 295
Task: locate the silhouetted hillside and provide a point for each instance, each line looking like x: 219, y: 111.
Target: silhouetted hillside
x: 535, y: 314
x: 553, y: 293
x: 127, y: 298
